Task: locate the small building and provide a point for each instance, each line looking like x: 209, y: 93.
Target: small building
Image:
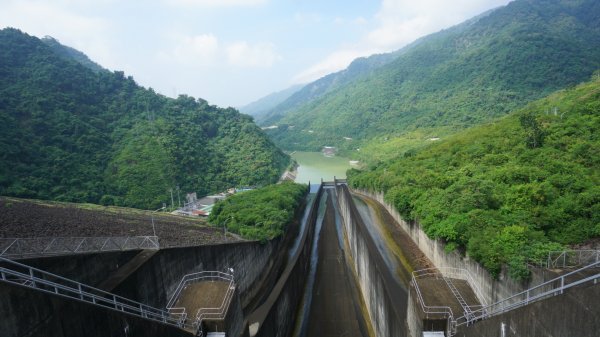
x: 199, y: 212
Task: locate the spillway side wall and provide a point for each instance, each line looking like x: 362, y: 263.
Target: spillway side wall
x: 156, y: 281
x: 282, y: 312
x: 385, y: 304
x: 575, y: 313
x: 27, y: 312
x: 492, y: 290
x: 24, y: 312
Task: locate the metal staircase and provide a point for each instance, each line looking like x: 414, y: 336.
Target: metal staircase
x: 466, y: 308
x: 586, y: 275
x: 18, y: 274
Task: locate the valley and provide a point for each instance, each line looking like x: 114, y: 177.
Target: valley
x: 436, y: 173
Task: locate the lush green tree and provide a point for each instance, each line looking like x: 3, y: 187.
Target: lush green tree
x: 261, y: 214
x: 72, y: 131
x: 504, y: 200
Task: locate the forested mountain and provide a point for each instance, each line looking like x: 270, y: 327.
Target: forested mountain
x: 461, y: 76
x: 71, y: 54
x: 314, y: 90
x: 510, y: 191
x: 263, y: 105
x: 73, y: 134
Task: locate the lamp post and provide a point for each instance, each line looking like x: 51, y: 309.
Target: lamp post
x: 152, y: 217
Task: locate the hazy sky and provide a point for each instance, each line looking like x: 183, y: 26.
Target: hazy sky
x: 231, y: 52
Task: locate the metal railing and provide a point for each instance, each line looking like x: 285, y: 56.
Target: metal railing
x: 30, y: 247
x: 25, y: 276
x: 203, y: 313
x: 547, y: 289
x: 446, y: 274
x: 437, y: 310
x: 571, y: 258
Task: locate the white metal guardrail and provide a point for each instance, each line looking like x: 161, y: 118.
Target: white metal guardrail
x: 216, y: 313
x: 571, y: 258
x: 553, y: 287
x: 447, y: 274
x: 25, y: 276
x: 30, y: 247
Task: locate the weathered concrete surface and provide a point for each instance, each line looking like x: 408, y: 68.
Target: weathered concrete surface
x: 576, y: 313
x: 127, y: 269
x: 208, y: 294
x: 336, y: 303
x: 276, y: 315
x: 492, y: 289
x: 386, y: 300
x: 24, y: 312
x: 436, y: 292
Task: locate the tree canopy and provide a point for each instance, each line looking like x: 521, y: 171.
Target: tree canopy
x: 510, y: 191
x: 71, y: 133
x: 261, y: 214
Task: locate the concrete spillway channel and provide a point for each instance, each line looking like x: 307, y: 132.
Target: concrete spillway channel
x: 343, y: 269
x: 346, y: 287
x: 336, y: 307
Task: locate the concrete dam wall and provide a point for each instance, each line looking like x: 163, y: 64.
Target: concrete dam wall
x: 492, y: 289
x: 30, y: 313
x: 277, y: 315
x: 386, y: 302
x: 272, y: 284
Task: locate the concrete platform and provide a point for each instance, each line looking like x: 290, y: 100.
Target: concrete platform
x: 436, y: 292
x: 198, y: 295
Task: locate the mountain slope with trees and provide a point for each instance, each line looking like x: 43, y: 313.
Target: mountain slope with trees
x: 319, y: 88
x: 456, y: 78
x: 510, y: 191
x: 263, y: 105
x: 69, y: 133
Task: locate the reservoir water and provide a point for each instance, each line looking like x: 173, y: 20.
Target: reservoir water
x: 312, y: 166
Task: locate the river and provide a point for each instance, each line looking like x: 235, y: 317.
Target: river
x: 312, y: 166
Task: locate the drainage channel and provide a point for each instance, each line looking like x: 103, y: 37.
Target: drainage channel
x: 332, y: 302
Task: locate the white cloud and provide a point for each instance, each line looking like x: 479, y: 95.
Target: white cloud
x: 360, y: 21
x: 308, y: 18
x: 207, y: 50
x: 216, y: 3
x: 333, y: 62
x: 199, y: 50
x: 244, y: 54
x: 399, y: 22
x: 86, y: 33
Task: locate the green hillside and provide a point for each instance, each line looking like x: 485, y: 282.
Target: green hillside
x: 509, y: 191
x: 362, y: 66
x: 260, y: 107
x: 456, y: 78
x: 69, y: 133
x: 261, y: 214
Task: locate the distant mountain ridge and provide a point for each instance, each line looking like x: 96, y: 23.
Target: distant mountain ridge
x: 458, y: 77
x: 263, y: 105
x: 70, y: 133
x: 309, y: 92
x: 71, y: 54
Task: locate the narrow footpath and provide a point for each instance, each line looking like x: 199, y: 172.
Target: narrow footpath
x: 335, y: 309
